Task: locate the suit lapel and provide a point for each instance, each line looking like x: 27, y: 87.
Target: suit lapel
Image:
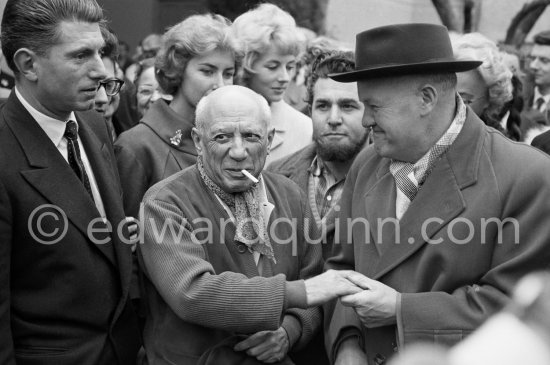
x: 49, y: 173
x: 107, y: 183
x: 101, y: 160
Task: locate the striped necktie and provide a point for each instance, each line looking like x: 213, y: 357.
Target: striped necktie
x: 75, y: 161
x: 404, y: 183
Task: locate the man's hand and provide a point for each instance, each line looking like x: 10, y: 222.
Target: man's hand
x: 331, y: 285
x: 266, y: 346
x: 350, y: 353
x: 376, y: 306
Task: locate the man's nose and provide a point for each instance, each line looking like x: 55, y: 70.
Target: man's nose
x: 238, y: 150
x: 101, y: 97
x: 535, y: 63
x: 97, y: 68
x: 335, y: 116
x: 368, y: 120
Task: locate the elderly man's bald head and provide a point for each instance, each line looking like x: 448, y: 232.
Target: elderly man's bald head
x: 232, y: 103
x: 232, y: 135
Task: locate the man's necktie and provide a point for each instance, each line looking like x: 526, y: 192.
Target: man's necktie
x: 404, y: 183
x: 75, y: 161
x: 401, y: 172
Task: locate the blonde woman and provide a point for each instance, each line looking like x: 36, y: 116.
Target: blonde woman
x: 488, y: 88
x: 271, y: 44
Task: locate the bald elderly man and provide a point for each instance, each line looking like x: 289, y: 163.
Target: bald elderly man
x: 225, y: 252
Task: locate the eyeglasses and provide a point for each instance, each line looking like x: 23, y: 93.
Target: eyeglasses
x: 112, y: 86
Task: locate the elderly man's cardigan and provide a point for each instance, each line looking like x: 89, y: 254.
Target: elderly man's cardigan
x: 202, y: 290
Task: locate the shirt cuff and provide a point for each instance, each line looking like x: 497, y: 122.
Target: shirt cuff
x: 400, y: 335
x: 295, y: 294
x: 293, y: 329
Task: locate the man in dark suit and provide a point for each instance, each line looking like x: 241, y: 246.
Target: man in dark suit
x: 537, y: 90
x: 454, y: 208
x: 65, y: 267
x: 539, y: 69
x: 539, y: 98
x: 320, y: 169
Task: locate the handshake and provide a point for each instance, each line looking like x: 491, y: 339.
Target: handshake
x: 375, y: 303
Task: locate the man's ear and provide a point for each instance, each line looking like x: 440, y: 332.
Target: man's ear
x: 196, y: 140
x: 270, y: 135
x: 26, y: 62
x: 429, y: 96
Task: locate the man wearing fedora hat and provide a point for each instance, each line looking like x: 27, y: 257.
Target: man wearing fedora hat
x: 451, y: 213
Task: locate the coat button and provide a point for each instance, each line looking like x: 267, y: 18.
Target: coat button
x: 241, y: 247
x: 379, y: 359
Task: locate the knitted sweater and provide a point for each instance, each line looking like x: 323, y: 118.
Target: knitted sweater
x: 204, y: 287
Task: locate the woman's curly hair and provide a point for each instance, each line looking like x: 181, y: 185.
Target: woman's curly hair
x: 262, y: 28
x: 496, y: 75
x: 194, y: 36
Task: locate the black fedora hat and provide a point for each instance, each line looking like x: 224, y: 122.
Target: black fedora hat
x: 403, y: 49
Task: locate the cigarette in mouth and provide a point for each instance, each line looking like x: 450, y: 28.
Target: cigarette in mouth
x: 249, y: 175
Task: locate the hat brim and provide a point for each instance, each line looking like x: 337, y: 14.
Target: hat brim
x: 408, y: 69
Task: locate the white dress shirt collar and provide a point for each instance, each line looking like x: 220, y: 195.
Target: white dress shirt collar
x: 539, y: 95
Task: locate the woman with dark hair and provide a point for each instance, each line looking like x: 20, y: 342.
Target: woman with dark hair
x: 147, y: 87
x: 197, y: 56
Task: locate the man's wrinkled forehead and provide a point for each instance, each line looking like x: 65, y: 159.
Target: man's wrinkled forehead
x: 243, y: 110
x: 238, y: 119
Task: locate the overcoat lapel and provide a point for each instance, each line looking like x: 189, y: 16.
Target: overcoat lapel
x: 436, y: 204
x: 380, y: 206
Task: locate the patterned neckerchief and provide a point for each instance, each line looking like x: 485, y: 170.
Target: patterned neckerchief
x: 249, y: 219
x: 423, y: 167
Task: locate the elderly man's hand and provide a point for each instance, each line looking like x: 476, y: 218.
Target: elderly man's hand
x: 266, y: 346
x: 376, y: 305
x: 331, y: 285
